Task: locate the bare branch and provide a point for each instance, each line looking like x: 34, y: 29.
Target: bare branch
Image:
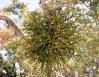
x: 12, y: 24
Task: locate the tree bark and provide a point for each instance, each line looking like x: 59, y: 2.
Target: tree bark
x: 12, y: 24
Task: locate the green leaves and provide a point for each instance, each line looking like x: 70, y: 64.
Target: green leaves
x: 51, y: 41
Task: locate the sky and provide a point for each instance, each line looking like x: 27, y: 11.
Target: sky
x: 31, y: 4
